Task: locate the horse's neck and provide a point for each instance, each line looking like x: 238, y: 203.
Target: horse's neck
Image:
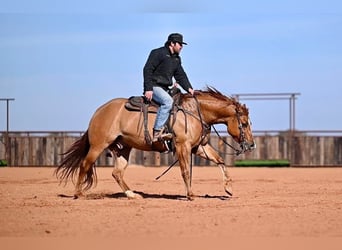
x: 214, y: 111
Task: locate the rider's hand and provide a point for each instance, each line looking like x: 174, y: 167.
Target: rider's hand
x: 191, y: 91
x: 148, y: 95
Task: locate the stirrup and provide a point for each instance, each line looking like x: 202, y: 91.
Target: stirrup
x: 166, y: 136
x: 160, y: 136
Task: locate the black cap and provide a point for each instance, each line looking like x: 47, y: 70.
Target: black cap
x: 176, y: 37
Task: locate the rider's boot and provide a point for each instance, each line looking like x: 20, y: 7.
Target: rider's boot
x: 159, y: 135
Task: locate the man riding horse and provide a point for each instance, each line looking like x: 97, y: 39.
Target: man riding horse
x: 162, y: 65
x: 116, y: 128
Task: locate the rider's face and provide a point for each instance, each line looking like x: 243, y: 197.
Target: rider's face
x: 176, y: 47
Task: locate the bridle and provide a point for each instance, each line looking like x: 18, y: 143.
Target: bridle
x: 244, y: 146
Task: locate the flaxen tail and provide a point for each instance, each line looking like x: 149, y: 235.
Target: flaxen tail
x: 69, y: 167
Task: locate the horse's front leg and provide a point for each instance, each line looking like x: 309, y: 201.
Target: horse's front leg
x: 184, y: 154
x: 207, y: 152
x: 227, y: 180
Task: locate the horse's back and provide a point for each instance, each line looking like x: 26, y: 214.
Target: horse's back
x: 112, y: 120
x: 107, y: 116
x: 111, y: 104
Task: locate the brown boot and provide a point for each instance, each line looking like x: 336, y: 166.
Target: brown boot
x: 158, y: 135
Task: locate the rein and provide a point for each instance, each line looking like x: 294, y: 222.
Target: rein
x: 206, y: 127
x: 237, y: 151
x: 243, y: 145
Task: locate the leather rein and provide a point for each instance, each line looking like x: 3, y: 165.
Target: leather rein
x: 206, y: 128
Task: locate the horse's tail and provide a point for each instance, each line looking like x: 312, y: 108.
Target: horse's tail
x: 69, y: 167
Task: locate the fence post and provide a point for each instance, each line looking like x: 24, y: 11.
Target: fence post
x: 7, y: 146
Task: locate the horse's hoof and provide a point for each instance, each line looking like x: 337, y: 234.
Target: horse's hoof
x: 78, y: 195
x: 229, y: 191
x: 190, y: 197
x: 228, y: 187
x: 131, y: 195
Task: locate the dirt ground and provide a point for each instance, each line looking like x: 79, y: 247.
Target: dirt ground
x: 276, y: 203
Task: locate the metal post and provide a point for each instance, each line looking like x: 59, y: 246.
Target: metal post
x: 291, y: 97
x: 292, y: 129
x: 7, y: 146
x: 294, y: 111
x: 290, y: 109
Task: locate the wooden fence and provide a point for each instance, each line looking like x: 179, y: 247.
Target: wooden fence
x: 301, y: 149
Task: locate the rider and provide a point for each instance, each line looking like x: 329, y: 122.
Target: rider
x: 162, y: 65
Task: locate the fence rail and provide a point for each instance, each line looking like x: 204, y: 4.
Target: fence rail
x: 301, y: 148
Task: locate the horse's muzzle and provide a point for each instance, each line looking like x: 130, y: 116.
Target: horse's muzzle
x: 246, y: 146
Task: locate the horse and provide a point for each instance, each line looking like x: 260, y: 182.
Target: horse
x: 116, y: 129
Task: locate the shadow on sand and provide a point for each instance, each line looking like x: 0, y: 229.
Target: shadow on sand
x: 96, y: 196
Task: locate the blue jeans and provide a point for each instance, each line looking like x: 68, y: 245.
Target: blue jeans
x: 165, y: 100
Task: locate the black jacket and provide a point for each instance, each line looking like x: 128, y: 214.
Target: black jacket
x: 160, y: 67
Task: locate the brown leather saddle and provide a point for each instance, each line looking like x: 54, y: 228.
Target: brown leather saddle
x: 141, y: 104
x: 138, y: 103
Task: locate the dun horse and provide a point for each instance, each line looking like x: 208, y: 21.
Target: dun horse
x: 117, y: 129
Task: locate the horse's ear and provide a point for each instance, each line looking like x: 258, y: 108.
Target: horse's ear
x: 245, y: 109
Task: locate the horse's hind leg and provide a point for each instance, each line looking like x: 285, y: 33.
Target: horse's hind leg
x: 207, y: 152
x: 86, y: 173
x: 120, y: 162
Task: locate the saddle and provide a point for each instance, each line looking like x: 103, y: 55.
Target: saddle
x: 138, y: 103
x: 141, y: 104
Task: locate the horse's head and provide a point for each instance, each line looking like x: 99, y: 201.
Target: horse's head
x: 217, y: 108
x: 239, y: 126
